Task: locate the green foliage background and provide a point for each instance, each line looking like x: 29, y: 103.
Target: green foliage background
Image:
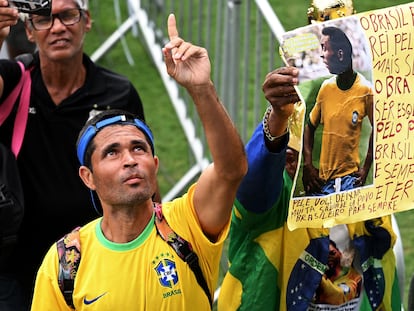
x: 160, y: 115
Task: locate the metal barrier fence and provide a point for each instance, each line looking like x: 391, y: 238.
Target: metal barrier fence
x: 242, y: 40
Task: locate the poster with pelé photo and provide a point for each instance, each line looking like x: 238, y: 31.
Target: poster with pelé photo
x: 355, y: 120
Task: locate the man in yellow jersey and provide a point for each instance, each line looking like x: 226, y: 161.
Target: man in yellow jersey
x: 125, y: 264
x: 343, y: 101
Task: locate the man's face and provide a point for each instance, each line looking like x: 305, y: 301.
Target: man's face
x: 328, y: 55
x: 334, y: 60
x: 61, y: 42
x: 291, y: 165
x: 124, y: 168
x: 334, y: 257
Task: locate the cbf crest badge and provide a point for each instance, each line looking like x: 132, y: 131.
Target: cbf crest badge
x: 355, y: 116
x: 167, y: 273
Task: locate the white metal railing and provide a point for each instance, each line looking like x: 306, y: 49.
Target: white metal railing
x: 222, y: 23
x: 242, y: 39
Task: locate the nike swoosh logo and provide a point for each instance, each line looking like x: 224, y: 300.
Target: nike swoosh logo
x: 88, y: 302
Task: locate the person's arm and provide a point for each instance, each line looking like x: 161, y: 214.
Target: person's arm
x: 309, y: 171
x: 312, y: 183
x: 335, y: 294
x: 262, y: 185
x: 216, y: 188
x: 364, y: 170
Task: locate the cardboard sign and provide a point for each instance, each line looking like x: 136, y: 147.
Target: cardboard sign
x: 362, y: 119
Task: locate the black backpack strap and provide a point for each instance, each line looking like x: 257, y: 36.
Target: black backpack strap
x: 183, y: 248
x: 69, y: 253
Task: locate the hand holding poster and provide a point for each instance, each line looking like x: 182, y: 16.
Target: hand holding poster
x: 356, y: 76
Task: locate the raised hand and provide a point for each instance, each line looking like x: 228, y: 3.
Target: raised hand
x: 8, y: 17
x: 188, y: 64
x: 278, y: 88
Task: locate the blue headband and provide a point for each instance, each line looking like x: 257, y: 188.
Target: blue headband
x: 93, y: 129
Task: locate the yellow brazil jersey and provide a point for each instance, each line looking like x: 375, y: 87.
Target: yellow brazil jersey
x: 341, y: 114
x: 144, y: 274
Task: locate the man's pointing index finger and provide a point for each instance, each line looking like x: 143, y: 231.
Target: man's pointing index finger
x: 172, y: 27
